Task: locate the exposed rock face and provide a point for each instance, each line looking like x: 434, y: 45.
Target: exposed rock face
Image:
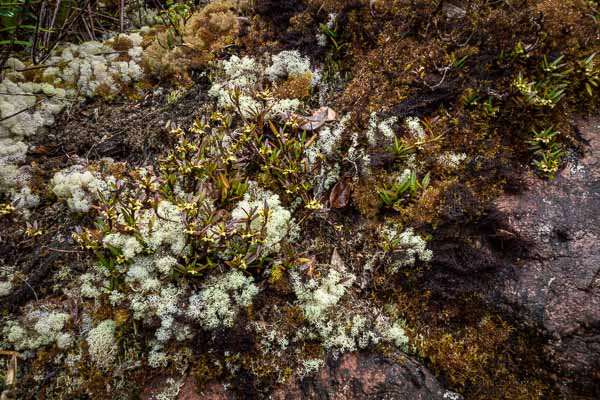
x: 557, y: 284
x: 352, y: 376
x: 366, y: 376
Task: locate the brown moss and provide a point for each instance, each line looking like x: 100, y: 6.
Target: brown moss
x: 170, y: 54
x: 480, y: 359
x: 104, y: 91
x: 366, y: 199
x: 296, y: 87
x: 121, y: 44
x: 478, y: 353
x: 210, y: 30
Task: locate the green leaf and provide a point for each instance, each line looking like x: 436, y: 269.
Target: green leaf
x: 19, y: 42
x: 413, y: 182
x: 425, y: 181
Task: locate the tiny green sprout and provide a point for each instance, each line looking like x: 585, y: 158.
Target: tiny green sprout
x: 404, y: 188
x: 333, y: 35
x: 460, y: 63
x: 175, y: 95
x: 6, y: 209
x: 470, y: 98
x: 489, y: 109
x: 554, y: 66
x: 589, y: 73
x: 314, y: 204
x: 401, y: 150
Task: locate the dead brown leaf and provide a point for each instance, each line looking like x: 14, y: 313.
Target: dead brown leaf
x: 319, y: 118
x: 340, y: 194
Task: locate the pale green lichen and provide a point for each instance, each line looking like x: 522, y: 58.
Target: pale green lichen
x: 266, y: 213
x: 218, y: 304
x: 407, y: 246
x: 102, y: 345
x: 40, y: 328
x: 79, y: 188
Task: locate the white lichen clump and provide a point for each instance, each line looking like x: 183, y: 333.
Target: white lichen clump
x: 337, y: 330
x: 5, y: 288
x: 321, y: 36
x: 380, y: 132
x: 26, y: 108
x: 406, y: 245
x: 163, y: 227
x: 40, y: 328
x: 266, y: 213
x: 102, y: 344
x: 152, y: 300
x: 451, y: 160
x: 79, y: 188
x: 218, y: 304
x: 94, y: 66
x: 329, y: 140
x: 415, y: 128
x: 288, y: 64
x: 317, y: 296
x: 397, y: 335
x: 242, y: 78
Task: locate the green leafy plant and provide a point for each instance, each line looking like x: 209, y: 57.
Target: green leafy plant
x: 547, y: 150
x: 401, y: 150
x: 548, y: 162
x: 403, y: 189
x: 588, y: 73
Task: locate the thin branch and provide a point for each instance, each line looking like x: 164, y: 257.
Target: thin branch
x: 52, y: 22
x: 446, y: 69
x: 122, y: 18
x: 20, y: 112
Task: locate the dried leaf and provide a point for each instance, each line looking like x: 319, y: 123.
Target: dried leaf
x: 340, y: 195
x: 41, y: 150
x: 319, y: 118
x: 11, y: 373
x: 10, y: 379
x: 336, y: 261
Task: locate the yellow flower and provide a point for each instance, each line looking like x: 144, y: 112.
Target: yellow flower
x: 5, y: 209
x: 314, y: 204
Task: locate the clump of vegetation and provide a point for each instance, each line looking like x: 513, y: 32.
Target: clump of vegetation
x: 293, y: 219
x: 190, y: 39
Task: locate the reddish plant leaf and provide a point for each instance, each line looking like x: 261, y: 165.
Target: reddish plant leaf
x: 340, y: 195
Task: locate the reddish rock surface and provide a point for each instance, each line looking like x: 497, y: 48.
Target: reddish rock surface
x: 352, y: 376
x: 557, y: 283
x: 366, y: 376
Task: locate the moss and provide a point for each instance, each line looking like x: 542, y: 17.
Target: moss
x: 296, y: 87
x: 478, y: 352
x: 391, y: 61
x: 206, y: 369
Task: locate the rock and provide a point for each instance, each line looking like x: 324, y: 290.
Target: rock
x: 366, y: 376
x: 351, y: 376
x: 557, y: 283
x: 211, y: 391
x: 453, y: 11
